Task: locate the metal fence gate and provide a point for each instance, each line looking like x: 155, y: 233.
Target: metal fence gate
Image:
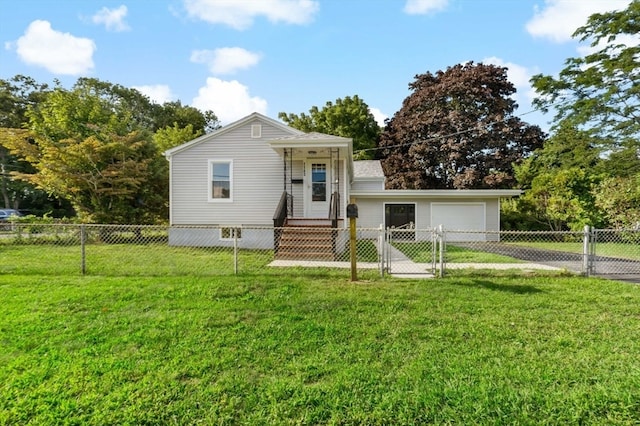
x: 410, y: 251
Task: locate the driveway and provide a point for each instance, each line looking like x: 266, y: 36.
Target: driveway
x: 604, y: 266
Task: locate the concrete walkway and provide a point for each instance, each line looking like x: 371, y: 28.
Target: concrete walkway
x: 403, y: 267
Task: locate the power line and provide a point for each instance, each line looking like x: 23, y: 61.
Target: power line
x: 460, y: 132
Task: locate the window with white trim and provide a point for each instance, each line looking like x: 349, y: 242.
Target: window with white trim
x: 220, y: 180
x: 229, y: 233
x: 256, y: 131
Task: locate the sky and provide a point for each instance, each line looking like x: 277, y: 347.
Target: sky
x: 236, y: 57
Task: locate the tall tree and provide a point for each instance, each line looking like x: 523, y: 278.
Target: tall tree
x: 175, y: 135
x: 457, y: 130
x: 619, y: 200
x: 17, y: 95
x: 567, y: 147
x: 92, y: 145
x: 559, y: 179
x: 349, y: 117
x: 174, y: 114
x: 599, y: 93
x: 562, y: 199
x: 600, y: 90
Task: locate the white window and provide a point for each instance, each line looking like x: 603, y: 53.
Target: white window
x: 229, y: 233
x: 220, y: 180
x: 256, y: 131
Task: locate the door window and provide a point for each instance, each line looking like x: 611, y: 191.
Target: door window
x: 318, y: 182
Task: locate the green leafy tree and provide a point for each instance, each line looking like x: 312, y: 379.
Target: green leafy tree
x: 170, y: 137
x: 174, y: 114
x: 17, y: 95
x: 619, y: 200
x: 599, y: 94
x: 349, y: 117
x: 568, y: 147
x: 457, y: 130
x: 91, y: 146
x: 600, y: 90
x: 561, y: 199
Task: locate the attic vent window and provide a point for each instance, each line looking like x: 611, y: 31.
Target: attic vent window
x: 256, y: 131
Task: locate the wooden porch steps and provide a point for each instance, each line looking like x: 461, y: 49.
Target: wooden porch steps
x: 306, y: 239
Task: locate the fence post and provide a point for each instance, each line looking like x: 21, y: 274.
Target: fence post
x: 441, y: 246
x: 585, y: 250
x: 83, y: 262
x: 387, y: 243
x: 434, y: 250
x: 235, y: 250
x: 381, y: 249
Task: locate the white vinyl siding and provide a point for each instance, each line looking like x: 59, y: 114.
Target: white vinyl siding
x: 257, y: 179
x: 367, y: 185
x: 371, y: 212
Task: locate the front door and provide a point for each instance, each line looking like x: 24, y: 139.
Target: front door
x: 317, y: 188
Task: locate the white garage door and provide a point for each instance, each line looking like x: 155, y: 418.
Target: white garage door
x: 460, y: 217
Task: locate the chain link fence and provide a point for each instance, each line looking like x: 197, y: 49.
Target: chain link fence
x: 130, y: 250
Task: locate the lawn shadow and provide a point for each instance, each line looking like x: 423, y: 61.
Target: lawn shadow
x: 511, y: 288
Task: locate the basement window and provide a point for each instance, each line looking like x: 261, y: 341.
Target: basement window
x: 230, y: 233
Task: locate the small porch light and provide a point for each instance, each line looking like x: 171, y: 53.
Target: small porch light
x: 312, y: 152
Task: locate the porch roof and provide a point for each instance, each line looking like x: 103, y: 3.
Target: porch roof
x: 312, y: 144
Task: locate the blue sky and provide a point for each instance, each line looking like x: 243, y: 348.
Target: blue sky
x: 239, y: 56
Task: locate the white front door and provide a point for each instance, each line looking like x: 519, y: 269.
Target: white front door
x: 317, y: 188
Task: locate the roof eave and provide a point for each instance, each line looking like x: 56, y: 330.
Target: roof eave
x: 442, y: 193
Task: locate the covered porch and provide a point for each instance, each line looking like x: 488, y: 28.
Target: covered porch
x: 317, y: 171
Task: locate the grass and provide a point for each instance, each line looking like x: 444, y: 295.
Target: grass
x: 422, y: 252
x: 157, y: 259
x: 629, y: 251
x: 366, y: 251
x: 262, y: 349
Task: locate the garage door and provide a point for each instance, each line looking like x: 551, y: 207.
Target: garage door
x: 460, y: 217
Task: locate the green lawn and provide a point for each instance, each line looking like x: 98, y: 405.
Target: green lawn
x: 263, y: 349
x: 157, y: 259
x: 422, y: 252
x: 621, y: 250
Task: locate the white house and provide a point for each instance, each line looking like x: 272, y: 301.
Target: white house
x: 258, y: 172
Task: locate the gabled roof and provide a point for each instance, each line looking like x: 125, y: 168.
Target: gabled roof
x: 230, y: 127
x: 368, y: 169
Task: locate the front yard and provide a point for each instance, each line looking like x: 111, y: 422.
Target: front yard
x: 265, y: 349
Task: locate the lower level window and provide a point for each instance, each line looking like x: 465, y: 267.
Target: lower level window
x: 230, y: 233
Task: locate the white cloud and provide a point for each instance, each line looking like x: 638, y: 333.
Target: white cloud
x: 225, y: 60
x: 60, y: 53
x: 379, y: 116
x: 518, y: 75
x: 423, y: 7
x: 229, y: 100
x: 559, y: 19
x: 113, y: 19
x: 240, y: 14
x: 158, y: 93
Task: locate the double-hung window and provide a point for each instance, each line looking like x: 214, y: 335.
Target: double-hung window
x: 220, y: 180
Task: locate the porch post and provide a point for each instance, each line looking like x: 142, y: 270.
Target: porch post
x: 285, y: 170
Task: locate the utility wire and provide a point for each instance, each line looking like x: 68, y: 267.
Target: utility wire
x: 460, y: 132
